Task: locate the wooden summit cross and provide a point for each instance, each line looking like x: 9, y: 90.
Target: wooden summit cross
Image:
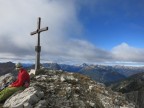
x: 38, y: 47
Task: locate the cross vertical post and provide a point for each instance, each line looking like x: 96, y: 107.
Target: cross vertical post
x: 38, y: 47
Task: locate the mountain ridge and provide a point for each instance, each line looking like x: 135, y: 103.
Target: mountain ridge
x: 57, y: 89
x: 133, y: 88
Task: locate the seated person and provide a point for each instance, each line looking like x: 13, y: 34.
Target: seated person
x: 22, y: 82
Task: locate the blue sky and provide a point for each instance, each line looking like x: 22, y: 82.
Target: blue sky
x: 80, y: 31
x: 112, y: 22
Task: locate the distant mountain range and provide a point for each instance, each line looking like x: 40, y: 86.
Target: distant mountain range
x: 100, y: 73
x: 124, y: 70
x: 128, y: 70
x: 6, y: 68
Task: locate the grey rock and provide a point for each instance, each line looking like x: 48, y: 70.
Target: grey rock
x: 41, y: 104
x: 6, y: 80
x: 24, y: 99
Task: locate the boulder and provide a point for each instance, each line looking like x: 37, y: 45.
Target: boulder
x: 5, y: 80
x: 24, y: 99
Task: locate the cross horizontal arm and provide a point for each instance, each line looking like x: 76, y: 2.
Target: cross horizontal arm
x: 43, y: 29
x: 35, y: 32
x: 40, y: 30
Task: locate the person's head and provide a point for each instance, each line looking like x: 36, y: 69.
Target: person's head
x: 18, y: 66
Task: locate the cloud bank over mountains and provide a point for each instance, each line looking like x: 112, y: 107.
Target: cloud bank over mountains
x: 63, y: 42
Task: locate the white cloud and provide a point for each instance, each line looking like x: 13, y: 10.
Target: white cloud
x: 19, y: 18
x: 61, y: 43
x: 124, y: 52
x: 78, y: 51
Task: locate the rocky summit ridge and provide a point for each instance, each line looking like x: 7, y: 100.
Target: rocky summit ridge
x: 58, y: 89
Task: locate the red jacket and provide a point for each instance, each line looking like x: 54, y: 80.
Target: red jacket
x: 23, y: 77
